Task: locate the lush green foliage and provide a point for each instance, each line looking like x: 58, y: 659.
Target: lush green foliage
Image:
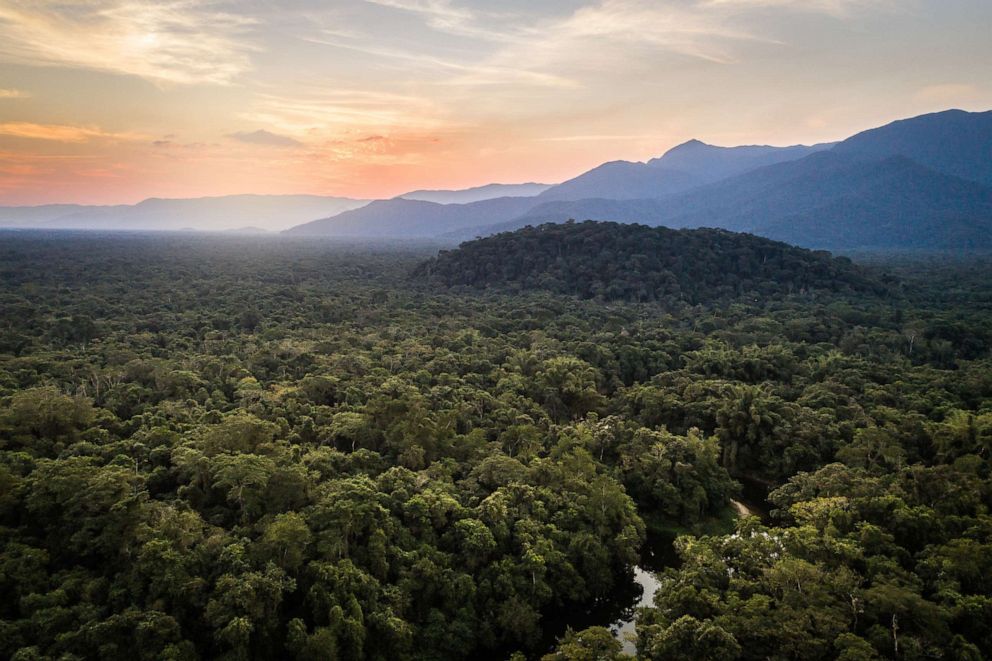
x: 611, y: 261
x: 222, y: 448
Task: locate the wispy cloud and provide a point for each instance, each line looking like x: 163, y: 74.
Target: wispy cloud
x: 641, y: 137
x: 615, y: 26
x: 838, y: 8
x: 60, y: 132
x: 444, y: 16
x: 13, y: 94
x: 264, y: 138
x: 332, y: 112
x: 948, y: 93
x: 175, y: 41
x: 459, y: 72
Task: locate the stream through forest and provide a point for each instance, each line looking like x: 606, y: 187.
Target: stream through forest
x: 646, y: 580
x: 618, y: 613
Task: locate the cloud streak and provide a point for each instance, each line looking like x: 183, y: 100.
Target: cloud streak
x: 463, y: 73
x: 444, y: 16
x: 334, y: 112
x: 60, y: 132
x: 836, y: 8
x: 174, y: 42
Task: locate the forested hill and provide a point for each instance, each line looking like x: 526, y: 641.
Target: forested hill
x: 616, y: 261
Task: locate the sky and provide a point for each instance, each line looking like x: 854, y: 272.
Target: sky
x: 114, y: 101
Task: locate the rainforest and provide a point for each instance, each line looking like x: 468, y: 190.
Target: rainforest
x: 237, y: 447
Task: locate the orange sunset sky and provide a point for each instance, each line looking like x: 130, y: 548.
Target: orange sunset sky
x: 105, y: 101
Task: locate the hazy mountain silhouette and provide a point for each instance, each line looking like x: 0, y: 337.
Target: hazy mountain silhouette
x: 681, y: 168
x: 954, y: 142
x: 838, y: 200
x: 861, y: 193
x: 399, y: 218
x: 708, y: 163
x: 622, y: 180
x: 267, y: 212
x: 826, y: 200
x: 476, y: 194
x: 924, y: 182
x: 617, y: 180
x: 38, y: 215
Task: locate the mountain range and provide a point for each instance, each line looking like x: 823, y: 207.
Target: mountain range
x: 920, y: 183
x: 230, y: 212
x: 246, y: 213
x: 476, y: 194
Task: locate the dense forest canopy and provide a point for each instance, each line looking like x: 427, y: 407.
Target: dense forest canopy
x: 244, y: 449
x: 613, y: 261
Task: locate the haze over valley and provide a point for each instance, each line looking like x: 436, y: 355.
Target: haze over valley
x: 920, y: 183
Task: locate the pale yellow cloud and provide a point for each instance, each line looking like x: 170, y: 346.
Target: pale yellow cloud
x: 331, y: 113
x: 177, y: 41
x: 686, y: 30
x: 13, y: 94
x: 948, y: 93
x: 60, y: 132
x: 603, y: 137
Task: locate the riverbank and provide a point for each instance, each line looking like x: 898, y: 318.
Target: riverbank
x: 659, y: 554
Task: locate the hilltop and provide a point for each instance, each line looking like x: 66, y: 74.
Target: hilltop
x: 614, y: 261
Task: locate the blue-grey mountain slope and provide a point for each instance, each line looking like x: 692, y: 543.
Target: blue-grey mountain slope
x: 709, y: 163
x: 827, y: 200
x: 267, y: 212
x: 622, y: 180
x: 477, y: 193
x: 914, y: 184
x: 40, y: 215
x: 954, y: 142
x: 409, y: 215
x: 399, y: 218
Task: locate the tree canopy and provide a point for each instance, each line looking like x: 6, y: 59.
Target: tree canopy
x: 232, y: 448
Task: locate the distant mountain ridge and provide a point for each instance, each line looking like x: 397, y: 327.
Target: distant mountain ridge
x: 616, y: 180
x: 953, y: 142
x: 476, y: 193
x: 919, y: 183
x: 622, y: 180
x: 399, y: 218
x: 265, y: 212
x: 827, y: 200
x: 708, y: 163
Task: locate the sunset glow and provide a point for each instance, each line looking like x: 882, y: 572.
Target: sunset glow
x: 113, y: 101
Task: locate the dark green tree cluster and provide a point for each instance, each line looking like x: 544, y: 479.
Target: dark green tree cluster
x: 613, y: 261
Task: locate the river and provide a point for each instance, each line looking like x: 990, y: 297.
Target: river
x: 619, y: 612
x: 623, y: 630
x: 658, y: 555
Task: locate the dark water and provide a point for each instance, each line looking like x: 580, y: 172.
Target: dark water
x: 633, y: 591
x: 754, y: 495
x: 618, y: 612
